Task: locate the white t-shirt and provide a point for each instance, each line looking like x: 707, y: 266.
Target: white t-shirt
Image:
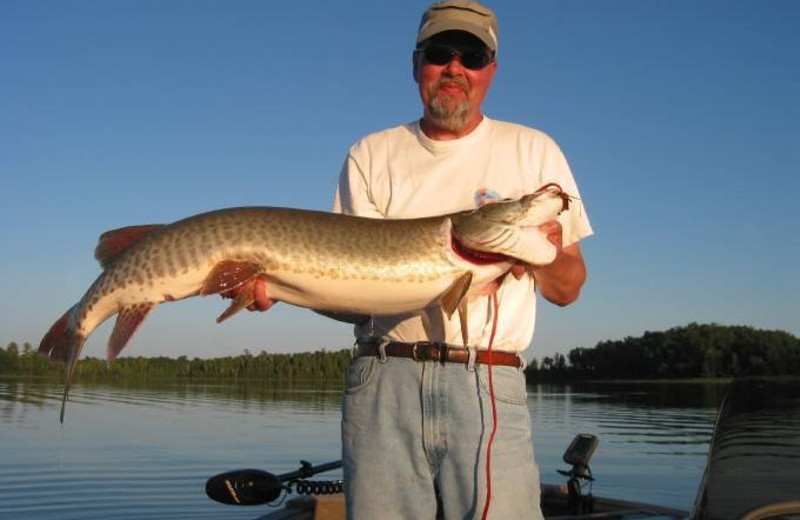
x: 401, y: 173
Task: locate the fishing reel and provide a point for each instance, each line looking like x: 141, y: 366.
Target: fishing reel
x: 578, y: 454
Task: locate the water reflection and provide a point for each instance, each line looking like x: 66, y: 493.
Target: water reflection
x: 676, y: 414
x: 21, y: 396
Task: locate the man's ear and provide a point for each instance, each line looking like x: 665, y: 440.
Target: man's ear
x: 415, y: 63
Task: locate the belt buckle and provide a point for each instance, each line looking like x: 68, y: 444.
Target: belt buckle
x: 430, y: 347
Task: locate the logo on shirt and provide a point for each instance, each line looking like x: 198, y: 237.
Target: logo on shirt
x: 484, y: 196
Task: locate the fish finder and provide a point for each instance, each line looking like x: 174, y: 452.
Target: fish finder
x: 580, y: 450
x: 578, y: 454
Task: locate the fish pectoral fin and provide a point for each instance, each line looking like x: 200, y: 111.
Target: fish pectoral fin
x: 113, y: 243
x: 245, y: 295
x: 455, y: 293
x: 128, y: 321
x: 229, y: 275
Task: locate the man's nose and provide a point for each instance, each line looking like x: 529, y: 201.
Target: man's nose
x: 455, y: 67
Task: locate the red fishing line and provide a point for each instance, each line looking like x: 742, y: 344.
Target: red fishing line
x: 494, y: 411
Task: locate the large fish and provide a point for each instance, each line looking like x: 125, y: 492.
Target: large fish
x: 323, y: 261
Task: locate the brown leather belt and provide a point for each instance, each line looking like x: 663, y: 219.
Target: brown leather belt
x: 435, y: 351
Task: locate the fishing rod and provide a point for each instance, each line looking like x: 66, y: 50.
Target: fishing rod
x: 250, y: 487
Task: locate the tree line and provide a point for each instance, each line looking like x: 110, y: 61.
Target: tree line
x: 320, y: 364
x: 691, y: 351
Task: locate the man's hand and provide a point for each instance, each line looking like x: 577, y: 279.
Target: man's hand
x: 261, y: 302
x: 552, y: 230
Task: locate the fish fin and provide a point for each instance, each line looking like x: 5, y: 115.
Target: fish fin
x: 245, y: 295
x: 128, y: 321
x: 228, y: 275
x: 63, y: 343
x: 113, y: 243
x: 455, y: 293
x: 462, y: 318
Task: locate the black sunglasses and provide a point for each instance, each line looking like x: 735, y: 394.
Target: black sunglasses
x: 470, y: 59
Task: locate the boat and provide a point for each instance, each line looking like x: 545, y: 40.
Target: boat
x: 753, y: 469
x: 324, y: 500
x: 752, y: 472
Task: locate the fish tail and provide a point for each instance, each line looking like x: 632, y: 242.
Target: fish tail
x: 61, y: 338
x: 64, y: 343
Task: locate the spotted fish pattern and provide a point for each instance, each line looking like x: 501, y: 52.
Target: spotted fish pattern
x: 323, y: 261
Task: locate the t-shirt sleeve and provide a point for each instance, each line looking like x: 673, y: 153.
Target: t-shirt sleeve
x: 353, y: 196
x: 555, y: 168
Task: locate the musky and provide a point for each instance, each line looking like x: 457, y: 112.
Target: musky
x: 679, y: 118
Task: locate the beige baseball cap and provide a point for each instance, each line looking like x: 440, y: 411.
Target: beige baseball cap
x: 460, y: 15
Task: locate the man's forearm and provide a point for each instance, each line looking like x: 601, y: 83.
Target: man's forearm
x: 560, y: 282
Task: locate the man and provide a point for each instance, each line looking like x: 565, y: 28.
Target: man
x: 415, y: 430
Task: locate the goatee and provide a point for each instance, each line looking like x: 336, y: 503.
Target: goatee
x: 447, y: 111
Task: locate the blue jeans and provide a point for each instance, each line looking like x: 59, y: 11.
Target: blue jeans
x: 411, y: 427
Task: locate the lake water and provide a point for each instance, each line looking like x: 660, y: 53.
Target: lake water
x: 145, y: 450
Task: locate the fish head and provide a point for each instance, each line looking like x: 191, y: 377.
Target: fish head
x: 511, y: 227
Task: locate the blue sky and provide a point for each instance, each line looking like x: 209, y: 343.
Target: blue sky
x: 680, y: 120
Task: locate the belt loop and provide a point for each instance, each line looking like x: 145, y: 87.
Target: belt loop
x: 444, y: 351
x: 472, y: 355
x: 382, y: 349
x: 522, y: 363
